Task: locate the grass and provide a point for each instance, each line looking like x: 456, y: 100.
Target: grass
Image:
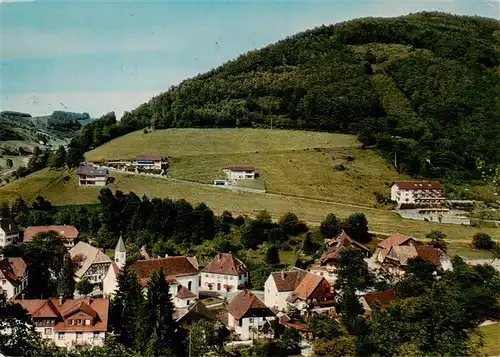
x: 53, y: 186
x: 491, y: 339
x: 467, y: 251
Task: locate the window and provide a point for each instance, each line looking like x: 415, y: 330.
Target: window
x: 71, y: 322
x: 47, y: 331
x: 206, y: 275
x: 250, y: 320
x: 60, y: 336
x: 96, y: 335
x: 4, y: 281
x: 187, y: 302
x: 79, y: 321
x: 87, y: 322
x: 190, y: 285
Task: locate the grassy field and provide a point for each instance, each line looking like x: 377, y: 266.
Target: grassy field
x: 60, y: 187
x: 294, y: 163
x: 491, y: 339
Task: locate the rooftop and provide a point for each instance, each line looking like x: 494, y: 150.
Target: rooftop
x: 419, y: 185
x: 86, y: 255
x: 68, y: 232
x: 226, y: 264
x: 172, y: 267
x: 247, y: 304
x: 12, y: 269
x: 89, y: 170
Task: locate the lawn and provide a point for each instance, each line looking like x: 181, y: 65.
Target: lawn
x: 467, y: 251
x: 491, y: 339
x: 60, y: 191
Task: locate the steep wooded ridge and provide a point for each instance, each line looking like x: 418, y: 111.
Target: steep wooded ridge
x: 424, y: 87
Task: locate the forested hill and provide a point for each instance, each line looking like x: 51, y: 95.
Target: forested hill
x: 424, y: 86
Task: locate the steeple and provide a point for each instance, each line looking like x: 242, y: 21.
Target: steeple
x: 120, y: 253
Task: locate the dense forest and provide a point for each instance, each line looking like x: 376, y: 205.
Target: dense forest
x: 423, y: 87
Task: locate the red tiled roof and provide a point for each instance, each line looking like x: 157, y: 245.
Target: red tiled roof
x: 241, y: 168
x: 288, y: 280
x: 383, y: 298
x: 226, y: 264
x: 172, y: 267
x: 12, y: 269
x: 419, y: 185
x: 247, y: 303
x: 306, y: 287
x: 185, y: 293
x: 68, y: 232
x: 53, y: 309
x: 430, y: 253
x: 116, y: 268
x: 395, y: 239
x: 148, y: 157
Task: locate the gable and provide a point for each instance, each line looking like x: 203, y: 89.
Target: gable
x: 322, y: 289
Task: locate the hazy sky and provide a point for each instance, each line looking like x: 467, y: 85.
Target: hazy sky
x: 97, y: 56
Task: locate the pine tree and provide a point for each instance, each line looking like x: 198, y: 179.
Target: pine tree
x: 127, y: 310
x: 272, y: 255
x: 66, y: 278
x: 160, y: 309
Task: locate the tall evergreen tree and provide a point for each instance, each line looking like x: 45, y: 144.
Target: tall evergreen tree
x: 66, y: 278
x: 272, y: 255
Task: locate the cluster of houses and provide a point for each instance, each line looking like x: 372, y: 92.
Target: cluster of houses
x: 84, y: 320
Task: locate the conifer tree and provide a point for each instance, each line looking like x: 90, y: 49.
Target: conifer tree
x: 66, y: 278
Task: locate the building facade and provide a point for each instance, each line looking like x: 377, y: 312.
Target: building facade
x: 13, y: 277
x: 418, y: 192
x: 235, y: 173
x: 224, y: 273
x: 92, y: 264
x: 9, y: 233
x: 92, y: 176
x: 148, y: 162
x: 69, y: 323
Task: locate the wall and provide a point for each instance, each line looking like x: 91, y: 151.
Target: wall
x: 110, y: 284
x: 274, y: 298
x: 6, y: 239
x: 185, y: 280
x: 214, y: 279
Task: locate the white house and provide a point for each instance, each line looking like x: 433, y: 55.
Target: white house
x: 69, y: 322
x: 279, y: 286
x: 247, y: 315
x: 224, y: 273
x: 110, y: 283
x: 148, y: 162
x: 235, y: 173
x: 9, y: 233
x: 89, y: 175
x: 180, y: 272
x: 417, y: 192
x: 92, y: 264
x: 13, y: 276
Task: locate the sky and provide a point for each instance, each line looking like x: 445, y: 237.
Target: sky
x: 98, y: 56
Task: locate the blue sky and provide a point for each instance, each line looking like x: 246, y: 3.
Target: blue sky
x: 98, y: 56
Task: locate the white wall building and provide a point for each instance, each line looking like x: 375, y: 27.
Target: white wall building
x: 417, y: 192
x: 9, y: 233
x: 235, y: 173
x: 13, y: 276
x: 69, y: 323
x: 110, y: 283
x: 224, y: 273
x: 247, y: 315
x: 92, y: 263
x: 280, y: 285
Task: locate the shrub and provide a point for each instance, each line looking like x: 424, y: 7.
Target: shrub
x: 239, y: 221
x: 339, y: 167
x: 483, y: 241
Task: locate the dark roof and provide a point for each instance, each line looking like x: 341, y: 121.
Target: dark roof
x: 148, y: 157
x: 339, y: 243
x: 198, y: 309
x: 27, y: 149
x: 67, y: 232
x: 227, y: 264
x: 172, y: 267
x: 383, y: 298
x: 429, y: 253
x: 8, y: 226
x: 288, y: 280
x: 246, y: 302
x: 419, y: 185
x: 241, y: 168
x: 185, y: 293
x: 89, y: 170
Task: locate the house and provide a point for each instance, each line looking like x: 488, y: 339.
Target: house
x: 69, y: 322
x: 247, y: 314
x: 297, y: 287
x: 110, y: 281
x: 235, y: 173
x: 92, y: 264
x: 89, y: 175
x: 396, y: 239
x: 382, y: 298
x: 26, y: 150
x: 69, y: 233
x: 193, y: 314
x: 312, y: 295
x: 398, y: 257
x: 9, y: 233
x: 13, y: 276
x: 180, y: 272
x: 417, y: 192
x: 279, y: 286
x: 225, y: 273
x: 148, y: 162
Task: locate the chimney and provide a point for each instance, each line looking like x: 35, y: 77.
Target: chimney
x: 22, y: 296
x: 282, y: 275
x: 61, y: 300
x: 219, y: 257
x: 166, y: 255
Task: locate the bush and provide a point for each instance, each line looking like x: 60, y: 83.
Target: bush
x: 483, y: 241
x: 239, y: 221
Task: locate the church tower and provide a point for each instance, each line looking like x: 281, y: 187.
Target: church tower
x: 120, y: 253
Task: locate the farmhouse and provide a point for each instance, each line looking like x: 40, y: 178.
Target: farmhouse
x: 247, y: 314
x: 182, y: 275
x: 193, y: 314
x: 397, y: 258
x: 69, y: 322
x: 417, y: 192
x: 68, y: 233
x: 13, y: 276
x: 382, y: 298
x: 224, y: 273
x: 92, y: 264
x: 92, y: 176
x: 280, y: 285
x: 9, y: 233
x: 396, y: 239
x: 148, y: 162
x: 235, y: 173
